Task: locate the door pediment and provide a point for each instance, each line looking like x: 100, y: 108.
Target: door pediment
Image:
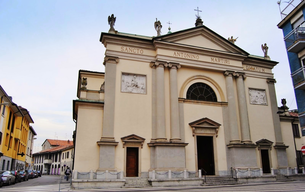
x: 205, y: 126
x: 133, y: 140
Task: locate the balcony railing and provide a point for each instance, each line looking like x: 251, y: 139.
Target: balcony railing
x: 298, y: 78
x: 47, y: 161
x: 295, y: 40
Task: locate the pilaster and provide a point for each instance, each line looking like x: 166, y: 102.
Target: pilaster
x: 174, y: 114
x: 234, y: 132
x: 243, y: 110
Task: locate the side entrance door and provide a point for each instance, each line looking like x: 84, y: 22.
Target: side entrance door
x: 132, y: 162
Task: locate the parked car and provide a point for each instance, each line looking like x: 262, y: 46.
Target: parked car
x: 39, y: 173
x: 35, y: 173
x: 17, y: 176
x: 31, y: 174
x: 24, y: 175
x: 7, y: 177
x: 1, y: 182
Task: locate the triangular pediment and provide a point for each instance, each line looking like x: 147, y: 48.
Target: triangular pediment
x: 264, y: 142
x: 204, y: 123
x: 202, y: 37
x: 133, y: 137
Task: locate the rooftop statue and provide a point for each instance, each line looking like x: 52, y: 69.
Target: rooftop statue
x: 232, y: 40
x: 111, y: 22
x: 265, y: 50
x: 158, y: 27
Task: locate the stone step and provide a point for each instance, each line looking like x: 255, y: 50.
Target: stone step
x: 220, y: 180
x: 136, y: 182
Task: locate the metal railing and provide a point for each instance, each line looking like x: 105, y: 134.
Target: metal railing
x: 298, y: 77
x: 295, y: 35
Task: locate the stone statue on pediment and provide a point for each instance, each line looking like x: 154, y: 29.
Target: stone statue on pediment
x: 265, y: 50
x: 232, y: 40
x: 158, y: 27
x: 111, y: 22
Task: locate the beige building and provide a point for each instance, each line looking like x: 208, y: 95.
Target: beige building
x: 179, y: 103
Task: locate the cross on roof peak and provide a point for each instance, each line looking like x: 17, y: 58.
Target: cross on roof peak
x: 198, y: 10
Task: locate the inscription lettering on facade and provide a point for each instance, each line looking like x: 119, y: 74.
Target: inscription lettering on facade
x: 219, y: 60
x: 253, y: 68
x: 185, y: 55
x: 132, y: 50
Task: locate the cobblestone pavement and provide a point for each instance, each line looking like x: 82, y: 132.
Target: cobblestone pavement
x: 263, y: 187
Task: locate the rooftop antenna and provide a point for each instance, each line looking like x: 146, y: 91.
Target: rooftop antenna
x: 290, y: 5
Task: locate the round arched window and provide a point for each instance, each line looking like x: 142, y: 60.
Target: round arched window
x: 201, y: 92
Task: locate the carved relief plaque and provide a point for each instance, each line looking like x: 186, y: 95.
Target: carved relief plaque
x: 133, y: 83
x: 257, y: 97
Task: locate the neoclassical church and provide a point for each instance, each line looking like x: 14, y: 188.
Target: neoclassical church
x: 187, y: 100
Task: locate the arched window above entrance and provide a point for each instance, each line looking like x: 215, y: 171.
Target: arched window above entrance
x: 201, y: 92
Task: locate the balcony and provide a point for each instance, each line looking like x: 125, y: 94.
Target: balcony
x: 295, y: 40
x: 298, y: 78
x: 47, y: 161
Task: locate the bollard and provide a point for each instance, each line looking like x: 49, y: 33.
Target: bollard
x: 261, y: 171
x: 184, y: 174
x: 249, y: 172
x: 272, y: 171
x: 169, y: 174
x: 154, y: 174
x: 91, y: 175
x: 199, y: 173
x: 74, y: 174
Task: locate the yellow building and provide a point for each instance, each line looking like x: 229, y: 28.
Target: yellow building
x: 176, y: 106
x: 15, y: 124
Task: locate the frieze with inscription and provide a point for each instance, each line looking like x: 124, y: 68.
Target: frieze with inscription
x: 132, y: 50
x: 220, y: 60
x: 185, y: 55
x: 253, y: 68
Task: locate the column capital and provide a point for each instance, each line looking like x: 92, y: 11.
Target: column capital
x: 111, y: 59
x: 240, y: 74
x: 228, y: 73
x: 174, y: 65
x: 155, y: 64
x: 271, y: 80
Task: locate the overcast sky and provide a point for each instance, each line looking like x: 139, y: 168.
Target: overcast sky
x: 44, y: 43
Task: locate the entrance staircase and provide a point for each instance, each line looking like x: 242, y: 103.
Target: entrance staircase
x: 220, y: 180
x: 136, y: 182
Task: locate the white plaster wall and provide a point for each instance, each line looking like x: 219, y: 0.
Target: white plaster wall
x: 133, y: 113
x: 89, y: 131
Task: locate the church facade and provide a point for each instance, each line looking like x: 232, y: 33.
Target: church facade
x: 188, y: 100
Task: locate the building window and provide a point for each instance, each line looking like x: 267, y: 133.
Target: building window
x: 63, y: 155
x: 67, y: 155
x: 3, y: 164
x: 295, y: 129
x: 8, y: 165
x: 299, y: 157
x: 0, y: 137
x: 201, y: 92
x: 3, y: 110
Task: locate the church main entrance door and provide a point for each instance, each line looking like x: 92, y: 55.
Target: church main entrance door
x: 205, y: 154
x: 132, y: 162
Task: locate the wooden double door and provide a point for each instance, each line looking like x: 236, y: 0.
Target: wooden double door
x: 132, y: 162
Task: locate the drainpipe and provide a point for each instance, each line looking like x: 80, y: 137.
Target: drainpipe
x: 295, y: 147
